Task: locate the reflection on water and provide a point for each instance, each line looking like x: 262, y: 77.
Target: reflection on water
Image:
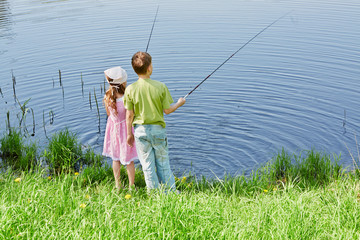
x: 5, y: 18
x: 290, y: 87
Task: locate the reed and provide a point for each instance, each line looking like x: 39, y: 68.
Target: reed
x: 2, y: 95
x: 82, y: 84
x: 8, y: 126
x: 44, y: 125
x: 51, y: 117
x: 14, y: 83
x: 97, y: 108
x: 63, y: 95
x: 60, y: 78
x: 24, y: 110
x: 97, y: 104
x: 90, y: 100
x: 34, y: 123
x: 104, y: 83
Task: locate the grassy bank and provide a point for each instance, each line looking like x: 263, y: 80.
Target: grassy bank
x: 34, y: 207
x: 303, y: 196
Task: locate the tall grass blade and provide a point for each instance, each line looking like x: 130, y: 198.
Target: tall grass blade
x: 82, y: 84
x: 8, y: 127
x: 90, y: 100
x: 44, y: 124
x: 14, y: 83
x: 97, y: 107
x: 356, y: 166
x: 51, y: 117
x: 63, y: 93
x: 24, y: 111
x: 60, y: 78
x: 33, y: 116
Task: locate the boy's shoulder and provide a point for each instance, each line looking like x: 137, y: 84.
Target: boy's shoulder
x: 139, y: 84
x: 130, y: 86
x: 157, y: 83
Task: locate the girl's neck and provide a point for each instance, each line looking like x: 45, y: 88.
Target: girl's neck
x: 118, y: 95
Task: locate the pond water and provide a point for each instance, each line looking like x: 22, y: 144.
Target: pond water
x: 295, y: 86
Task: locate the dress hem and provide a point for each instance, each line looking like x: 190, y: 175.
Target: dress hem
x: 119, y: 159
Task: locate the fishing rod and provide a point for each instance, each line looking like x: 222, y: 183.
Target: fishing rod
x: 152, y: 28
x: 235, y: 53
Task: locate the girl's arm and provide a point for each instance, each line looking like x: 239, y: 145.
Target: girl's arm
x: 107, y: 110
x: 106, y: 107
x: 129, y: 121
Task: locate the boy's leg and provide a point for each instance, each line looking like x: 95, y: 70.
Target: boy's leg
x: 162, y: 160
x: 146, y: 156
x: 130, y: 168
x: 116, y: 170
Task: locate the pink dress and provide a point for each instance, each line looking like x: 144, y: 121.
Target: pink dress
x: 115, y: 145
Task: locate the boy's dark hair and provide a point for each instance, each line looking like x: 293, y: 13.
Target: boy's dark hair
x: 140, y: 62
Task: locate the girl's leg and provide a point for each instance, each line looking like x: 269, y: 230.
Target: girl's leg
x: 131, y: 173
x: 116, y: 170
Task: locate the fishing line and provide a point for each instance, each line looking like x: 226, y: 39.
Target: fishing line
x: 102, y: 72
x: 152, y: 28
x: 235, y: 53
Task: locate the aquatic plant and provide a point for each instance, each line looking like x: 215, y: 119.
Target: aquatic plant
x: 63, y: 152
x: 22, y: 116
x: 90, y: 158
x: 15, y: 153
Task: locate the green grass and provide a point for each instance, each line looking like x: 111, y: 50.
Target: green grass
x: 300, y: 196
x: 15, y: 153
x: 63, y: 152
x: 39, y: 208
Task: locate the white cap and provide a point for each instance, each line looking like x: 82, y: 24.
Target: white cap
x: 117, y: 74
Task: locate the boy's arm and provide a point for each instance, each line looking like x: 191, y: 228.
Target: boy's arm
x: 129, y: 121
x: 175, y: 106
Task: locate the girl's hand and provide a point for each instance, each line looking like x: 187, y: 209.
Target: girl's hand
x: 130, y: 140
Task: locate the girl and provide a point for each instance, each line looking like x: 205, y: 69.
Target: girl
x: 115, y: 145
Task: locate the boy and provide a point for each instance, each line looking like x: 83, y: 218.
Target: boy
x: 146, y: 100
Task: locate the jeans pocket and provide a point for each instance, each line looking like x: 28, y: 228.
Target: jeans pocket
x: 159, y: 139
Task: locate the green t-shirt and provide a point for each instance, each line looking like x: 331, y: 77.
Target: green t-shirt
x: 148, y: 99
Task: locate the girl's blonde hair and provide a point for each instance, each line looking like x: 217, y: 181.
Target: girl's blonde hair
x: 110, y: 96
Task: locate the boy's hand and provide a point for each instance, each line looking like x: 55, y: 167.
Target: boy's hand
x: 130, y: 140
x: 175, y: 106
x: 181, y: 101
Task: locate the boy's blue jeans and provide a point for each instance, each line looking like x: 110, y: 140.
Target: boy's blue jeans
x: 152, y: 149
